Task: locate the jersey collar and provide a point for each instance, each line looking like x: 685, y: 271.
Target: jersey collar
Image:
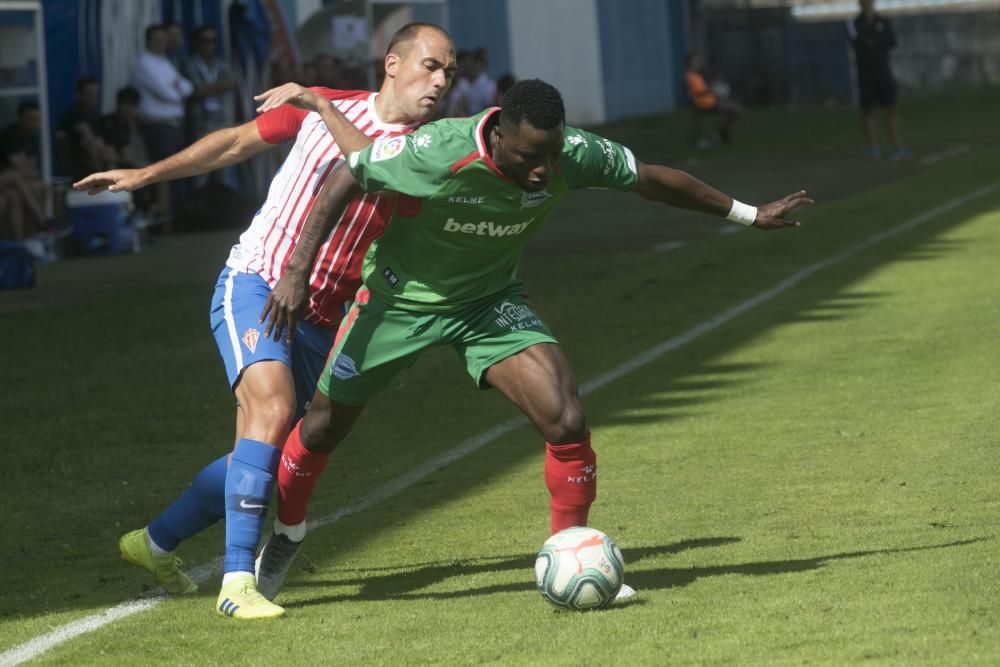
x: 481, y: 140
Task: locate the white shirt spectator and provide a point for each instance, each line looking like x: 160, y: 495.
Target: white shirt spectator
x: 458, y: 98
x: 162, y: 88
x: 481, y: 93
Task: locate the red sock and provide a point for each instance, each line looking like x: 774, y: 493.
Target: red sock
x: 298, y: 473
x: 571, y: 475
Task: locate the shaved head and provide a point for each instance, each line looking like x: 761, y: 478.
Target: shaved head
x: 402, y: 41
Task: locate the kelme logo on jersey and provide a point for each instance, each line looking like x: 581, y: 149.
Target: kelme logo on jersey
x: 387, y: 147
x: 486, y: 228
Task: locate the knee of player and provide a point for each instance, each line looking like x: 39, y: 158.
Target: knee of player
x: 273, y: 414
x: 319, y: 432
x: 570, y: 425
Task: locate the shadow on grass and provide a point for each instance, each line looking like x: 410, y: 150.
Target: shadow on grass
x: 406, y: 585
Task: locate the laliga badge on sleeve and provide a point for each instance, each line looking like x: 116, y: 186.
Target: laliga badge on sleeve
x: 387, y: 148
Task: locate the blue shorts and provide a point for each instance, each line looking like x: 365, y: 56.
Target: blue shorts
x: 236, y: 306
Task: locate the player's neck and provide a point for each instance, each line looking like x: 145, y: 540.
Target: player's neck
x: 387, y: 110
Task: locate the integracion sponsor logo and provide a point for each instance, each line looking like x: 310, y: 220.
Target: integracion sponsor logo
x: 516, y: 316
x: 486, y: 228
x: 387, y: 148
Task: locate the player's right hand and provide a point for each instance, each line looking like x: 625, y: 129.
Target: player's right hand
x: 116, y: 180
x: 289, y: 93
x: 775, y: 214
x: 284, y: 305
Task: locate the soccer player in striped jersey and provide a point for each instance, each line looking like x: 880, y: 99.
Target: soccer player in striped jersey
x: 470, y: 193
x: 273, y: 376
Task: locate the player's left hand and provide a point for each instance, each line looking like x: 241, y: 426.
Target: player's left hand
x: 284, y: 305
x: 289, y: 93
x: 774, y: 215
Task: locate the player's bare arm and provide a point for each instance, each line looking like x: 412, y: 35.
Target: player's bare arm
x: 216, y: 150
x: 286, y: 301
x: 348, y: 137
x: 680, y: 189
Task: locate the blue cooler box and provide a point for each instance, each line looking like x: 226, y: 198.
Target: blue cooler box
x: 17, y: 265
x: 100, y: 222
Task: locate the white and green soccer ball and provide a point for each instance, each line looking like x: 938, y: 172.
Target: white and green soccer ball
x: 579, y: 568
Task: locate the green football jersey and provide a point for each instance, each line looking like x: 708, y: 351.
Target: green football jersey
x: 459, y: 225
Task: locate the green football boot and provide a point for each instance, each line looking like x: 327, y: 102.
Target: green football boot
x: 134, y: 548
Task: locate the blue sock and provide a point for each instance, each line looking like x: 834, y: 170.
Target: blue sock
x: 198, y: 508
x: 252, y: 470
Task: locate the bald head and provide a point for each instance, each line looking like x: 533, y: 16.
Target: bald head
x: 402, y: 41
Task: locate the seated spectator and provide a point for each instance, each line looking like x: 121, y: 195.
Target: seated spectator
x: 22, y: 197
x: 706, y: 100
x: 80, y: 146
x: 21, y: 136
x: 22, y: 193
x: 120, y: 131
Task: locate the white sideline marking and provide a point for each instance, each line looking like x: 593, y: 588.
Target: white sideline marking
x: 39, y: 645
x: 945, y: 154
x: 668, y: 246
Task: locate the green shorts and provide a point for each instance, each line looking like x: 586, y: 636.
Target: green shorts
x: 376, y: 341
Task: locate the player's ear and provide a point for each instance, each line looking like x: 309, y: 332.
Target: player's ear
x: 391, y: 64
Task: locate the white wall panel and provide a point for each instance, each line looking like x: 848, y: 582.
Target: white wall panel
x: 559, y: 41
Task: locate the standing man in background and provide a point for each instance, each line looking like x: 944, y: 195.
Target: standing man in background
x: 872, y: 37
x: 162, y: 93
x: 210, y: 106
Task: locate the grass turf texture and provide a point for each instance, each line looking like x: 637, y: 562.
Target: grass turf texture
x: 813, y: 482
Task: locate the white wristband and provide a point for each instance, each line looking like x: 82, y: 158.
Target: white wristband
x: 742, y: 214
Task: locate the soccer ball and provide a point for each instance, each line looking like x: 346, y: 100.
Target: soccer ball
x: 579, y: 568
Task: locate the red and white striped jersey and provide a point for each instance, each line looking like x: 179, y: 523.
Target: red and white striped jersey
x: 267, y: 245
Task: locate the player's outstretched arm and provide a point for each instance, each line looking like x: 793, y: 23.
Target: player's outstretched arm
x: 289, y: 296
x: 213, y: 151
x: 678, y: 188
x: 348, y: 137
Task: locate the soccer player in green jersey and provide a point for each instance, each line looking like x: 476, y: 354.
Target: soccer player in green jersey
x: 470, y: 193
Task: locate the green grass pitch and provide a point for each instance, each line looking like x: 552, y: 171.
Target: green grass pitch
x: 812, y: 481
